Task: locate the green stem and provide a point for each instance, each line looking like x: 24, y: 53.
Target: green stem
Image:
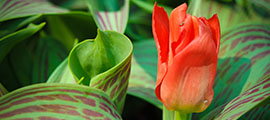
x: 175, y: 115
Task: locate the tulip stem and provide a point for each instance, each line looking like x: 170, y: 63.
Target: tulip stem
x: 175, y: 115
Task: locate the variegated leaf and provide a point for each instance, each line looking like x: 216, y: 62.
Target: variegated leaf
x: 11, y: 9
x: 143, y: 72
x: 247, y: 100
x: 229, y: 15
x: 57, y: 102
x: 110, y: 14
x: 244, y: 54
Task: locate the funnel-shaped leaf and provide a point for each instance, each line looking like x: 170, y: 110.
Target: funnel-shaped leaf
x: 110, y: 14
x: 104, y: 63
x: 10, y: 9
x: 57, y: 101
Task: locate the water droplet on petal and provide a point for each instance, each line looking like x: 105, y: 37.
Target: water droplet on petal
x: 182, y: 23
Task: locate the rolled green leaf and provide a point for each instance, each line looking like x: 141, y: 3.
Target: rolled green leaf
x: 103, y: 63
x: 57, y: 101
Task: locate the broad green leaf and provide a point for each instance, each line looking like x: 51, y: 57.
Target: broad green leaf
x: 9, y: 41
x: 149, y: 6
x: 66, y: 27
x: 62, y: 74
x: 103, y: 63
x: 49, y: 53
x: 249, y: 41
x: 260, y: 113
x: 11, y: 9
x: 57, y: 101
x: 3, y: 90
x: 10, y: 26
x: 243, y: 63
x: 71, y: 4
x: 229, y: 14
x: 247, y: 100
x: 40, y: 55
x: 143, y: 72
x: 110, y: 14
x: 261, y: 7
x: 142, y: 84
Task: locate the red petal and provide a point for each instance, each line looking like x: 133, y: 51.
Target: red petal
x: 214, y: 24
x: 189, y: 80
x: 177, y: 18
x: 160, y: 27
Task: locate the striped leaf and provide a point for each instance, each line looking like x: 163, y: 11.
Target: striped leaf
x: 48, y: 55
x: 7, y: 27
x: 143, y: 72
x: 247, y: 100
x: 260, y: 113
x: 57, y: 101
x: 9, y: 41
x: 40, y: 55
x: 243, y: 63
x: 110, y: 14
x: 103, y: 63
x: 261, y: 7
x: 229, y: 14
x: 11, y: 9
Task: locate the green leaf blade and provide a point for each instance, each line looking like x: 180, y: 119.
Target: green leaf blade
x: 110, y: 16
x: 11, y: 9
x: 61, y: 101
x: 9, y: 41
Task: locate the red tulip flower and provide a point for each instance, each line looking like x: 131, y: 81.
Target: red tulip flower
x: 187, y: 58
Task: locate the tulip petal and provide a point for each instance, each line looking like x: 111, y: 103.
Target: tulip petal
x: 189, y: 80
x: 190, y: 30
x: 214, y: 24
x: 160, y: 24
x: 177, y: 18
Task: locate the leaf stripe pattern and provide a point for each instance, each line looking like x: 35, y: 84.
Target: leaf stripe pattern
x: 115, y: 85
x: 57, y: 101
x: 247, y: 100
x: 143, y: 72
x: 243, y: 63
x: 10, y: 9
x: 112, y: 20
x: 259, y: 113
x: 49, y: 54
x: 252, y: 42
